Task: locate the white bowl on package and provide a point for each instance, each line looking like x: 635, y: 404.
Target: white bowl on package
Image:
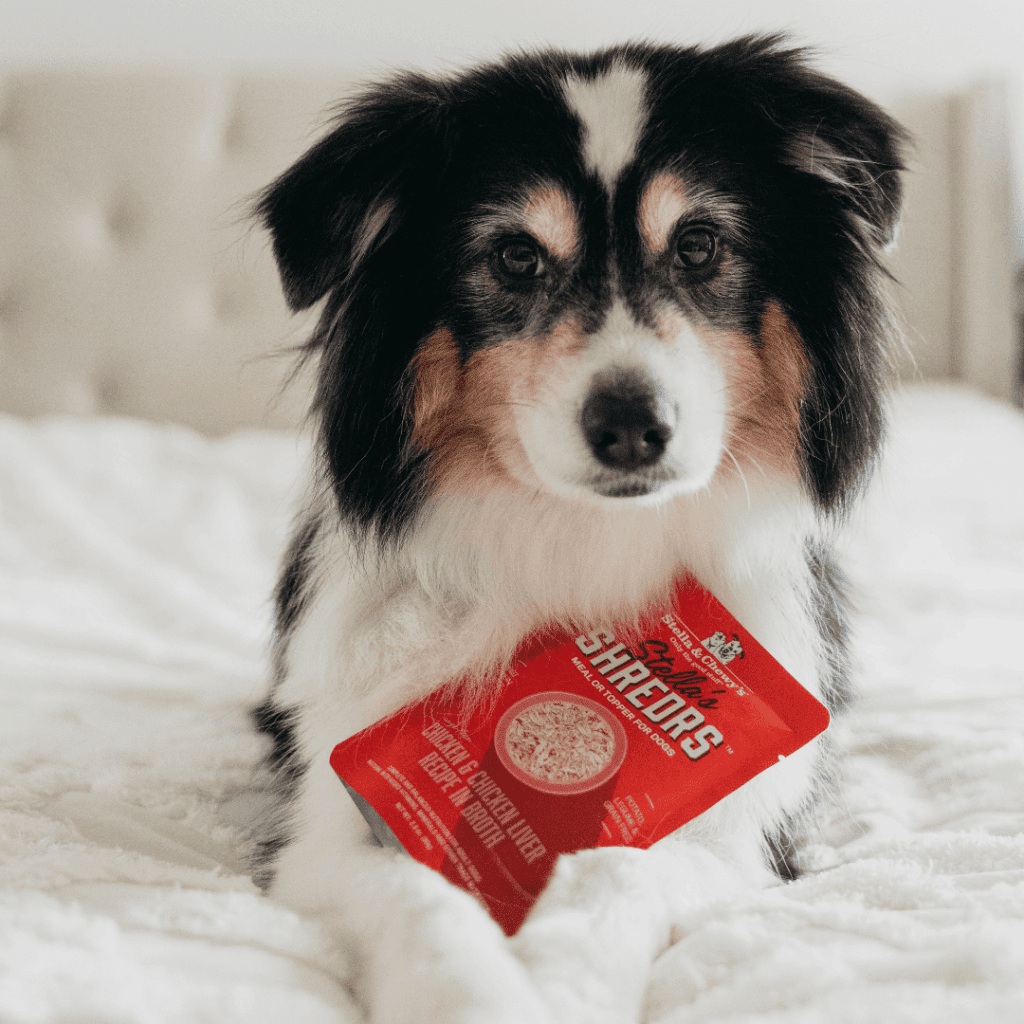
x: 560, y: 743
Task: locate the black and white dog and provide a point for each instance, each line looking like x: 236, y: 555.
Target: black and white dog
x: 589, y: 323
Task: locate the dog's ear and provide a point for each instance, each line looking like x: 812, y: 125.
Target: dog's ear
x: 351, y: 221
x: 851, y: 144
x: 836, y: 204
x: 338, y: 202
x: 816, y: 125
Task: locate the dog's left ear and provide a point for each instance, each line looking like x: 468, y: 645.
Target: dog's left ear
x: 843, y: 157
x: 845, y: 140
x: 819, y: 127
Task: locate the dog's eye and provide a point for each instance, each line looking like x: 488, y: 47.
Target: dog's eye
x: 696, y: 248
x: 520, y: 259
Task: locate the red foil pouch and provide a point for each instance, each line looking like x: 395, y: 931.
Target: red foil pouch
x: 591, y: 742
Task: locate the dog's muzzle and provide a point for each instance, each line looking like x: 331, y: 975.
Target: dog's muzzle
x: 625, y: 421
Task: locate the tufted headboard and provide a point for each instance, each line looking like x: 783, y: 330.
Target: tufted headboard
x: 131, y: 281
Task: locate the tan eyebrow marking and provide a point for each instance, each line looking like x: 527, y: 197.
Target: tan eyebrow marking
x: 662, y: 204
x: 551, y: 219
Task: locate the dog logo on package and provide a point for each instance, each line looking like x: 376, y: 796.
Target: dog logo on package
x: 722, y: 647
x: 592, y: 742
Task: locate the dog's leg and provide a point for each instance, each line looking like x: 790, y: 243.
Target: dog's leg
x: 424, y: 951
x: 607, y: 914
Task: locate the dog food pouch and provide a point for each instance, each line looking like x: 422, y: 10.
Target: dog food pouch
x: 592, y: 742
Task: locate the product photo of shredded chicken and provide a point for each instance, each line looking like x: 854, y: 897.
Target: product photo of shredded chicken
x: 560, y: 742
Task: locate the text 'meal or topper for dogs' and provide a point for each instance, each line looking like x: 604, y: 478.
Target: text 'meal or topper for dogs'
x: 592, y: 742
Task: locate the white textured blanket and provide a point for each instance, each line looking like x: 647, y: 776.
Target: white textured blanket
x: 135, y: 564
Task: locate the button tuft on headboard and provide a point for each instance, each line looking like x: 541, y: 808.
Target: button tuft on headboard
x: 126, y: 219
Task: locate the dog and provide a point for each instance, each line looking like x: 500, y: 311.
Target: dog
x: 588, y: 324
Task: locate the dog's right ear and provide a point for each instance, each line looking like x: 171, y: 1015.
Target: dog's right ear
x: 341, y: 200
x: 351, y: 221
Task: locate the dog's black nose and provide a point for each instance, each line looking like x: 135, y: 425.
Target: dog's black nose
x: 623, y: 421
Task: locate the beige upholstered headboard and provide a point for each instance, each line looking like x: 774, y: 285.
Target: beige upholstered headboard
x: 131, y: 280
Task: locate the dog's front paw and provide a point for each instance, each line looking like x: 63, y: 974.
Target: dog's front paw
x: 676, y: 979
x: 607, y: 915
x: 444, y: 962
x: 590, y: 939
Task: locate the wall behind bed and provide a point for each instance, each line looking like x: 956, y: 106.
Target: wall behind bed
x: 131, y: 134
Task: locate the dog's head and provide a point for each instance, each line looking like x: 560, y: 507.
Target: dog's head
x: 609, y: 277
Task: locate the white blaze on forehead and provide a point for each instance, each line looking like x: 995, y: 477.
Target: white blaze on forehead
x: 613, y: 110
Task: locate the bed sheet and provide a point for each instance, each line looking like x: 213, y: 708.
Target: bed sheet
x: 135, y: 564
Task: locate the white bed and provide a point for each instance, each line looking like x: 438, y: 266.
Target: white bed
x: 135, y: 561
